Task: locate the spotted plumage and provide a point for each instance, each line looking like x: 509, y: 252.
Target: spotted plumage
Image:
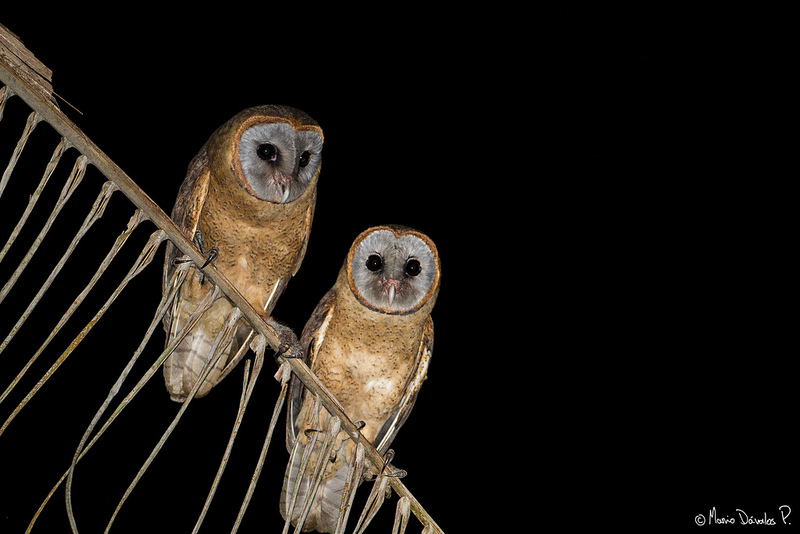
x: 250, y: 194
x: 369, y: 340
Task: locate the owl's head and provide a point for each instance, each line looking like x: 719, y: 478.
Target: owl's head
x: 393, y: 269
x: 275, y: 151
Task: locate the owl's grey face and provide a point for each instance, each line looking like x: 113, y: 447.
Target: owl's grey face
x: 391, y: 273
x: 278, y: 161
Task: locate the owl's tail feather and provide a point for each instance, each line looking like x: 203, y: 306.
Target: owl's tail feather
x: 185, y: 365
x: 324, y: 512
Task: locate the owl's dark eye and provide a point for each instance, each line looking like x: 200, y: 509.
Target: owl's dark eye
x: 374, y: 263
x: 305, y: 157
x: 267, y: 152
x: 413, y: 267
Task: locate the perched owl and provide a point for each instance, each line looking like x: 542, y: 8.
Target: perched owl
x: 249, y: 194
x: 369, y: 340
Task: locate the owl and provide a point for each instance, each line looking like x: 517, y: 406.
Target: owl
x: 369, y: 340
x: 249, y: 197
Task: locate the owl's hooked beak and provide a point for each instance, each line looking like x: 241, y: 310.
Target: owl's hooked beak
x: 282, y: 182
x: 390, y: 287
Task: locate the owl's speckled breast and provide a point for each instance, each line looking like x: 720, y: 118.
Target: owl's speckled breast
x: 269, y: 238
x: 367, y: 358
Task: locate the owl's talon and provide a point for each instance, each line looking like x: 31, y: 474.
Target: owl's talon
x: 309, y: 431
x: 386, y: 459
x: 396, y: 473
x: 360, y: 425
x: 212, y: 255
x: 285, y: 351
x: 289, y: 350
x: 200, y: 241
x: 288, y: 347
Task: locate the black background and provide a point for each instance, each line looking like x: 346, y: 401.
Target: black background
x: 612, y: 332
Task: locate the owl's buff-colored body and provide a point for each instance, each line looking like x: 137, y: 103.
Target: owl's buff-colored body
x: 372, y: 359
x: 260, y: 243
